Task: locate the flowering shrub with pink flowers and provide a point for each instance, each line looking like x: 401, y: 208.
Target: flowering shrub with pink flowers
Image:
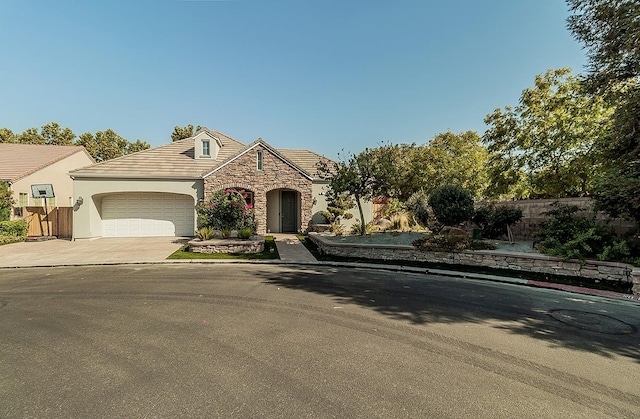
x: 227, y: 210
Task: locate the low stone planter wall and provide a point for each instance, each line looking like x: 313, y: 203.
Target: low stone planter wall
x: 611, y: 271
x: 253, y: 245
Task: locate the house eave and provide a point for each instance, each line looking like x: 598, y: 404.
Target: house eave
x: 136, y: 176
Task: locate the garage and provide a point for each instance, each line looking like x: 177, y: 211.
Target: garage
x: 147, y: 215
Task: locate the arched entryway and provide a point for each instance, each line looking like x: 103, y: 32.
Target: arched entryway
x: 283, y: 211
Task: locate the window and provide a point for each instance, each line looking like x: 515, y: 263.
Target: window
x: 23, y: 200
x: 259, y: 161
x: 206, y: 148
x: 37, y: 202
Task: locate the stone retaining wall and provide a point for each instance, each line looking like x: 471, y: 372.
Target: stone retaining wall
x: 227, y: 246
x: 611, y: 271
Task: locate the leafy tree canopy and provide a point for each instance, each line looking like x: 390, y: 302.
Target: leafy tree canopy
x: 544, y: 147
x: 456, y: 159
x: 7, y: 136
x: 610, y: 30
x: 180, y: 133
x: 104, y: 145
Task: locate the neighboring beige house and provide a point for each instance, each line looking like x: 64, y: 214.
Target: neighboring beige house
x: 23, y: 165
x: 154, y: 192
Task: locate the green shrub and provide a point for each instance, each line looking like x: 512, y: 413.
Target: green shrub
x: 418, y: 205
x: 245, y: 233
x: 451, y: 205
x: 6, y: 201
x: 493, y: 221
x: 338, y: 206
x: 205, y: 233
x: 17, y: 228
x: 393, y: 207
x: 227, y: 210
x: 569, y: 235
x: 13, y: 231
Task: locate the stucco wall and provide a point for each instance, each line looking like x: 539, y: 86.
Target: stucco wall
x: 55, y: 174
x: 320, y: 204
x: 87, y: 220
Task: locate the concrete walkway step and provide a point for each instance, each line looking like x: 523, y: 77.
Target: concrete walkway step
x: 291, y: 249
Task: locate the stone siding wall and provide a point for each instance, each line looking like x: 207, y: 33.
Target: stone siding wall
x: 227, y: 246
x: 242, y: 173
x: 611, y: 271
x: 533, y: 214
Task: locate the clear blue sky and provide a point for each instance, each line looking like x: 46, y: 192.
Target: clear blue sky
x: 319, y: 74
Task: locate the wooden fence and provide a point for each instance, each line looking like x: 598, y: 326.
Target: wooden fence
x: 58, y: 223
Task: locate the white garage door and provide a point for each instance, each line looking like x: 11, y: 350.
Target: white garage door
x: 147, y: 214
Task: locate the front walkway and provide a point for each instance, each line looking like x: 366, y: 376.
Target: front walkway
x: 291, y: 249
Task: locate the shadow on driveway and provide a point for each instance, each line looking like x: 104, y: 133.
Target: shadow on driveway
x: 103, y: 250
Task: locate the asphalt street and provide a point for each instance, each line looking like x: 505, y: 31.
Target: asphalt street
x: 230, y: 340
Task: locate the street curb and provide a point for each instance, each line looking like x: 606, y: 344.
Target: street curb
x: 394, y: 268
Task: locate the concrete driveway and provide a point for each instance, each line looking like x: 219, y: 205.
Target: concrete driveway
x: 104, y: 250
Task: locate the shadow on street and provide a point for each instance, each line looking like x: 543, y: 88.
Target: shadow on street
x: 561, y: 319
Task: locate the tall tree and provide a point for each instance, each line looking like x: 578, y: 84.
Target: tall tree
x: 139, y: 145
x: 548, y: 139
x: 610, y: 30
x: 455, y: 159
x: 106, y: 145
x: 180, y: 133
x: 53, y: 134
x: 30, y: 136
x: 7, y: 136
x: 458, y: 160
x: 358, y: 175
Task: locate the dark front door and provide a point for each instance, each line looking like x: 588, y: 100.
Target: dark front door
x: 288, y: 201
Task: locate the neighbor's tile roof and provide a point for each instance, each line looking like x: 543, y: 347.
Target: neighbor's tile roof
x: 20, y: 160
x: 176, y: 160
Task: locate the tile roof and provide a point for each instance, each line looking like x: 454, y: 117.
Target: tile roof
x: 176, y: 160
x: 20, y: 160
x: 304, y: 159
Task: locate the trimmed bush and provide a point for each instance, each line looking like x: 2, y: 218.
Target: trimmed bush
x: 493, y: 221
x: 451, y: 205
x: 13, y: 231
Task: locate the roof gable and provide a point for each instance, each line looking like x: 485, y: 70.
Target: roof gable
x: 265, y: 145
x: 20, y: 160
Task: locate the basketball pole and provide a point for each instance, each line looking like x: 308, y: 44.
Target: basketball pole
x: 46, y: 211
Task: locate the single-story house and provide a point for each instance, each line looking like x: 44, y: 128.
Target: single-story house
x: 23, y: 165
x: 154, y: 192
